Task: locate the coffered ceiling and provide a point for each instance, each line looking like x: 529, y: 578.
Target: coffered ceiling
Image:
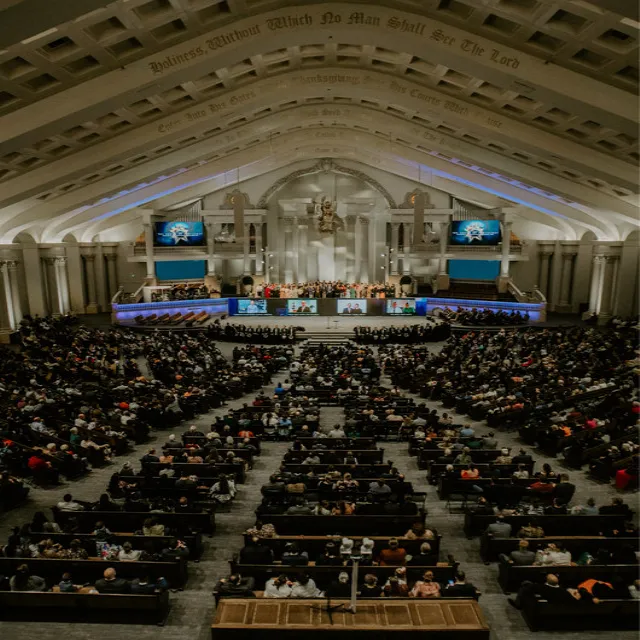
x: 101, y: 98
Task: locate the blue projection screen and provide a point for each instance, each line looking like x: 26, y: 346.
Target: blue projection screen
x: 474, y: 269
x: 179, y: 234
x: 181, y: 269
x: 475, y: 232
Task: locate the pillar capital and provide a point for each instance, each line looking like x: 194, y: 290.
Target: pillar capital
x: 363, y: 220
x: 111, y: 257
x: 12, y: 265
x: 89, y: 257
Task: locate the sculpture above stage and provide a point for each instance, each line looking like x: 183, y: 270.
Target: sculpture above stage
x: 328, y: 219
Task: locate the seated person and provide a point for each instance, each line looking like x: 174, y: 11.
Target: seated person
x: 305, y: 587
x: 551, y: 591
x: 278, y: 587
x: 235, y: 586
x: 293, y: 556
x: 255, y: 553
x: 147, y: 586
x: 554, y: 554
x: 460, y: 588
x: 426, y: 588
x: 425, y: 558
x: 522, y: 556
x: 394, y: 555
x: 370, y: 587
x: 110, y: 583
x: 341, y: 588
x: 23, y: 580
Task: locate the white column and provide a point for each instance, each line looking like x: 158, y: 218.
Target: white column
x: 596, y: 281
x: 394, y: 253
x: 566, y: 278
x: 51, y: 280
x: 75, y: 278
x: 89, y: 265
x: 364, y: 273
x: 543, y: 276
x: 609, y: 283
x: 303, y: 250
x: 12, y: 266
x: 112, y: 274
x: 246, y: 251
x: 295, y: 252
x: 506, y: 249
x: 350, y: 259
x: 259, y: 252
x: 442, y: 256
x: 34, y: 281
x: 62, y: 284
x: 148, y: 244
x: 7, y: 318
x: 211, y: 258
x: 288, y: 249
x: 406, y: 259
x: 101, y: 279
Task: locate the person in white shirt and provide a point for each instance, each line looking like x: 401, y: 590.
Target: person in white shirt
x: 554, y: 554
x: 305, y: 587
x: 128, y: 553
x: 277, y: 587
x: 337, y: 432
x: 68, y: 504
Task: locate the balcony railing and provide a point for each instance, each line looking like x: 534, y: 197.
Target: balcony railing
x: 455, y: 248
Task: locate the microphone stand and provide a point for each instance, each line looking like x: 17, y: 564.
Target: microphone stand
x: 351, y: 607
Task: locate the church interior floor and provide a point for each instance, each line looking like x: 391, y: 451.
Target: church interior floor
x: 192, y: 609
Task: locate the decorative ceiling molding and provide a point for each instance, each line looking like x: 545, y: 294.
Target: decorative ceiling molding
x: 325, y: 165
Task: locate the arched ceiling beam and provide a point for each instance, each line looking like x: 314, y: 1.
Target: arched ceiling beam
x: 346, y: 22
x: 292, y: 144
x: 402, y: 96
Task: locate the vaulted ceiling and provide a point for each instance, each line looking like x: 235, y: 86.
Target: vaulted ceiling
x: 109, y: 106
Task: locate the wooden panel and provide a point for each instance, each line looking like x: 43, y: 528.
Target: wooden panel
x: 265, y: 614
x: 261, y: 619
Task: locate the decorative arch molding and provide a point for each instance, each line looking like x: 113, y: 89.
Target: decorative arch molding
x: 325, y: 165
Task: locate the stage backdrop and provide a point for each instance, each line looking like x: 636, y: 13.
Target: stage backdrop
x: 474, y: 269
x: 181, y: 269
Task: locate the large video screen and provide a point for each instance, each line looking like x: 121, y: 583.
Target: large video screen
x: 179, y: 234
x: 475, y: 232
x: 252, y: 307
x: 356, y: 307
x: 400, y: 307
x: 295, y: 307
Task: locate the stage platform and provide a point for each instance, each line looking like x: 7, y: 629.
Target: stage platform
x: 325, y: 311
x: 273, y: 619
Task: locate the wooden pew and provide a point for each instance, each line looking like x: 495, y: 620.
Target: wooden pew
x: 511, y: 576
x: 607, y: 615
x: 201, y: 440
x: 323, y: 576
x: 376, y: 469
x: 368, y: 456
x: 315, y: 545
x: 434, y: 469
x: 475, y: 524
x: 157, y: 543
x: 195, y: 469
x: 340, y: 525
x: 345, y: 443
x: 133, y: 521
x: 90, y: 570
x: 491, y: 547
x: 84, y: 607
x: 447, y: 486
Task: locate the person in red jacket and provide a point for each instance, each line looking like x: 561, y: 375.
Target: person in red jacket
x: 42, y: 470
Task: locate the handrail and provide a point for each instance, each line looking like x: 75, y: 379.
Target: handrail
x: 117, y: 296
x: 518, y: 294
